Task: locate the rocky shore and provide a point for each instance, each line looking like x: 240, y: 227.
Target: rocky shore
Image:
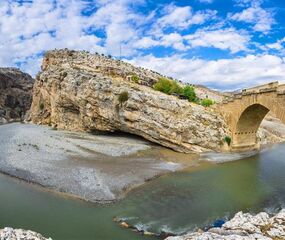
x: 20, y: 234
x: 98, y: 168
x: 244, y: 226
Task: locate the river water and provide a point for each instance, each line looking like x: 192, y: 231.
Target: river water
x: 177, y: 202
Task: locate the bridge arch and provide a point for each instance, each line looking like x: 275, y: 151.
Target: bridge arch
x: 244, y: 133
x: 244, y: 112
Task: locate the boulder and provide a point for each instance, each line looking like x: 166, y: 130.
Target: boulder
x: 15, y: 234
x: 244, y: 226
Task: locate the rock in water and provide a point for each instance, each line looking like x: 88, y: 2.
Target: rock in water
x: 15, y: 234
x: 15, y: 94
x: 244, y: 226
x: 81, y: 91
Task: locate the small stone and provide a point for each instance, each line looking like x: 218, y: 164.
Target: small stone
x: 124, y: 225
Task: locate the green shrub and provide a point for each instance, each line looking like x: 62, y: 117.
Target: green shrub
x: 42, y: 106
x: 123, y: 97
x: 135, y: 78
x: 167, y: 86
x: 228, y: 140
x: 176, y: 89
x: 207, y: 102
x: 189, y: 93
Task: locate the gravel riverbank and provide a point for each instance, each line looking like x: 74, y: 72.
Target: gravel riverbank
x: 98, y: 168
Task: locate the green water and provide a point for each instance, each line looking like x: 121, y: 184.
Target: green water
x: 177, y: 202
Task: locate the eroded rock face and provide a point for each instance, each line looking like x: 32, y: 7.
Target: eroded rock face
x: 79, y: 91
x: 15, y: 234
x: 15, y: 94
x: 244, y: 226
x: 272, y: 130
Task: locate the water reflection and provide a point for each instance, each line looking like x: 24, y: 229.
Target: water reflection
x: 186, y: 200
x: 177, y: 202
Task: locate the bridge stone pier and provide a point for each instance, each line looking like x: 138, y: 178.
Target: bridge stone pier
x: 245, y: 111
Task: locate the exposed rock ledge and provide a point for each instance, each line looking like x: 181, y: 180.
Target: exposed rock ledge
x: 244, y: 226
x: 79, y: 91
x: 16, y: 234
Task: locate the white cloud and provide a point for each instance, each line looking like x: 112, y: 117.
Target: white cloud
x: 30, y: 28
x: 262, y: 19
x: 174, y: 40
x: 27, y: 29
x: 121, y: 25
x: 183, y: 17
x: 277, y: 45
x: 226, y: 39
x: 146, y: 42
x: 206, y: 1
x: 221, y: 74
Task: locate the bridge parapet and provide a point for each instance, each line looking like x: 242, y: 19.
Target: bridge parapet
x: 261, y: 88
x: 265, y: 88
x: 281, y: 89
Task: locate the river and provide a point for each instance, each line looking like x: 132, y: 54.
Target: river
x: 177, y: 202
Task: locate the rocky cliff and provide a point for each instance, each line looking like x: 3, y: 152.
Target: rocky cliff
x: 15, y: 94
x: 88, y: 92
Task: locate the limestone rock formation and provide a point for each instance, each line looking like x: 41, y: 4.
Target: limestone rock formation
x: 244, y: 226
x: 16, y: 234
x: 271, y: 130
x: 15, y: 94
x: 80, y: 91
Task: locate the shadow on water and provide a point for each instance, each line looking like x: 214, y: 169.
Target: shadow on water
x: 177, y: 202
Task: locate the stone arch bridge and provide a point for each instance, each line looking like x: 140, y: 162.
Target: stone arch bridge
x: 245, y: 111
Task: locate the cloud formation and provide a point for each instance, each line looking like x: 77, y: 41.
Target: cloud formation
x: 224, y: 39
x: 261, y: 19
x: 165, y: 37
x: 227, y: 74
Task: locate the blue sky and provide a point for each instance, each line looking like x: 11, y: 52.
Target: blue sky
x: 223, y: 44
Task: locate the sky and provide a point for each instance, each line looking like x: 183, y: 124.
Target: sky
x: 223, y: 44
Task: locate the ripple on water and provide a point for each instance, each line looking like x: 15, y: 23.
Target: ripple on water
x: 226, y: 157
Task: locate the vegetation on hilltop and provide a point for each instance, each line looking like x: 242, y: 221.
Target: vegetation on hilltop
x: 171, y: 87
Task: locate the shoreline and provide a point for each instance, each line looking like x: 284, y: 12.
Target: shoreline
x: 87, y: 161
x: 243, y: 226
x: 93, y: 168
x: 155, y: 156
